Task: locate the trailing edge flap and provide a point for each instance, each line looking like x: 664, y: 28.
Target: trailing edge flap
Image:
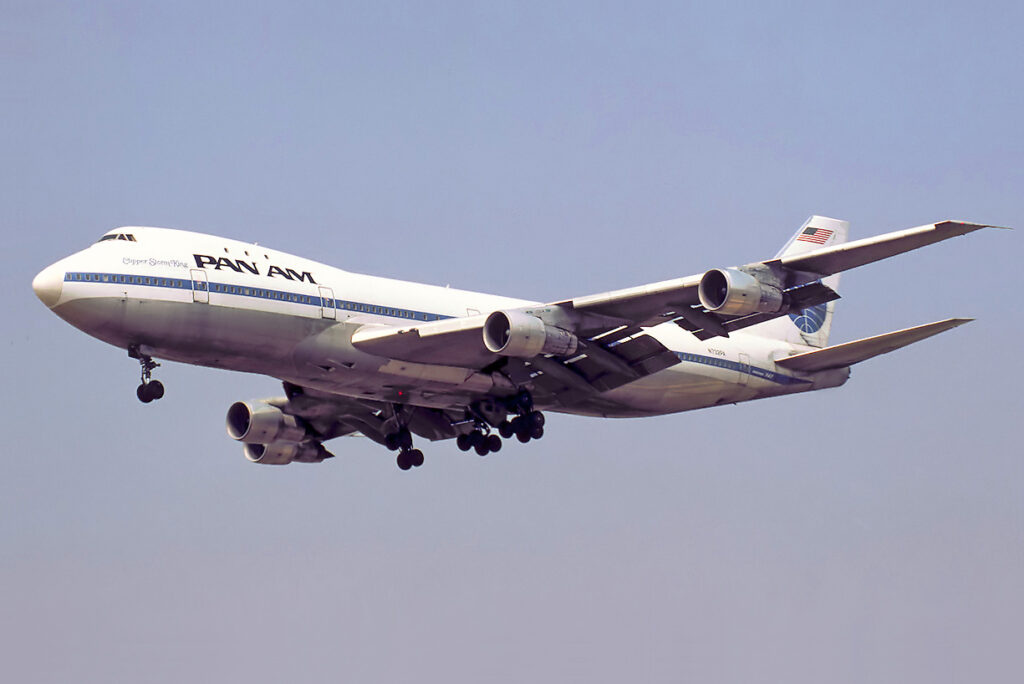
x: 861, y: 350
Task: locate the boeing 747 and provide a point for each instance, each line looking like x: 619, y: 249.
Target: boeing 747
x: 393, y: 360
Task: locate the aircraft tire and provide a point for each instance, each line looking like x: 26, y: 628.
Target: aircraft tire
x: 536, y: 419
x: 505, y: 429
x: 464, y: 442
x: 481, y: 448
x: 156, y: 389
x: 493, y: 443
x: 403, y: 460
x: 416, y: 458
x: 143, y: 394
x: 537, y: 433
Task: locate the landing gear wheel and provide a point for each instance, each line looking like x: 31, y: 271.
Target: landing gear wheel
x: 482, y: 448
x: 537, y: 433
x: 493, y: 443
x: 524, y: 435
x: 536, y: 419
x: 391, y: 441
x: 415, y: 457
x: 464, y: 442
x: 404, y: 461
x: 150, y: 389
x: 505, y: 429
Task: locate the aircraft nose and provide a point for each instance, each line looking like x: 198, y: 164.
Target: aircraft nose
x: 48, y: 284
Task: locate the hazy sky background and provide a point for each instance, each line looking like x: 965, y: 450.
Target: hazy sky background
x: 873, y: 533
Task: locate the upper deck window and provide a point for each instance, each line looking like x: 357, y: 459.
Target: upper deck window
x: 118, y: 236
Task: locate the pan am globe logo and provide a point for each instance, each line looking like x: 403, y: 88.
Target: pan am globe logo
x: 810, y: 320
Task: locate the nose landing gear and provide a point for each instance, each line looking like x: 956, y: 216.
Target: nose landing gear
x: 149, y: 390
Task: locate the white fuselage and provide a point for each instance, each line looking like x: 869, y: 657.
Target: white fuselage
x: 212, y: 301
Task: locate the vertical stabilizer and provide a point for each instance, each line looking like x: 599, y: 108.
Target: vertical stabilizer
x: 810, y: 326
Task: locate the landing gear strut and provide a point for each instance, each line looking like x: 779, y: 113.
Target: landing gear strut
x: 149, y: 390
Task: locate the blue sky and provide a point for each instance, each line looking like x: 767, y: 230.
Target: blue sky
x: 871, y: 533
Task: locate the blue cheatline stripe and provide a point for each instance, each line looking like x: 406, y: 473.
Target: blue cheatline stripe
x: 363, y: 307
x: 257, y: 292
x: 762, y: 373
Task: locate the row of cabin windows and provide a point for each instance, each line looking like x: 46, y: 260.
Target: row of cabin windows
x: 130, y: 280
x: 386, y: 311
x: 721, y: 363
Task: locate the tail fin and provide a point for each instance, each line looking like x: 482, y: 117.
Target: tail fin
x: 810, y: 326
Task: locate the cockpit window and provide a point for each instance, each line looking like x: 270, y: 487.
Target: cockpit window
x: 118, y: 236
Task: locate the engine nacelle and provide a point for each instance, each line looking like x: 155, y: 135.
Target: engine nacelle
x: 283, y: 453
x: 514, y: 333
x: 732, y: 292
x: 257, y: 422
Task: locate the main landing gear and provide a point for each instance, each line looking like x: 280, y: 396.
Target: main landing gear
x: 149, y: 390
x: 480, y: 439
x: 401, y: 441
x: 529, y: 424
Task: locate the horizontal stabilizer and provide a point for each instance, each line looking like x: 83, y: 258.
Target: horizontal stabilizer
x: 861, y: 350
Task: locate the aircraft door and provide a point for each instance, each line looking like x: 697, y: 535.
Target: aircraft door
x: 327, y: 304
x: 744, y: 368
x: 200, y: 286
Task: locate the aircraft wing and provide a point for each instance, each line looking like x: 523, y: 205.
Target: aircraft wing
x: 613, y: 348
x: 677, y: 300
x: 823, y: 262
x: 330, y: 415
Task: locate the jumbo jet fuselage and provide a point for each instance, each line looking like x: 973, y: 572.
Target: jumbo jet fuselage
x: 223, y: 303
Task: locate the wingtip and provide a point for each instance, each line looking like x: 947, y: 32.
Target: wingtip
x: 970, y: 226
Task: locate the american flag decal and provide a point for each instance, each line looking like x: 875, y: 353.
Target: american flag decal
x: 815, y: 235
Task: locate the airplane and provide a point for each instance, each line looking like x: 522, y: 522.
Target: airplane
x: 389, y: 359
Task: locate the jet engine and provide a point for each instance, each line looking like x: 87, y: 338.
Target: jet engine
x: 258, y: 422
x: 514, y: 333
x: 732, y: 292
x: 283, y: 453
